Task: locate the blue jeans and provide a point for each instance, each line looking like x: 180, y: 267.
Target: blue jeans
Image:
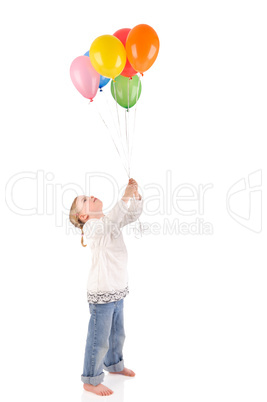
x: 104, y: 343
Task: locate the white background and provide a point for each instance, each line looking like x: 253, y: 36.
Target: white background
x: 195, y: 318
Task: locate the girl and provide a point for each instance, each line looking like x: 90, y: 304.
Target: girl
x: 107, y: 283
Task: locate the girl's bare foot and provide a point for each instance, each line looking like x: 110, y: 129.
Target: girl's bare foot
x: 99, y: 389
x: 125, y: 371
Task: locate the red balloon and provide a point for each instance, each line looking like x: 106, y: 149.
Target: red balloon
x: 122, y: 34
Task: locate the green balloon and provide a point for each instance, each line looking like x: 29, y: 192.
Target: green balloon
x: 126, y: 90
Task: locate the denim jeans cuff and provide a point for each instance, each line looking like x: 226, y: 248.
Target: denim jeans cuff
x: 115, y: 367
x: 93, y: 380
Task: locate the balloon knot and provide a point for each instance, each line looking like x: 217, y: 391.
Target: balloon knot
x: 142, y: 74
x: 91, y: 100
x: 113, y: 79
x: 101, y: 90
x: 130, y: 78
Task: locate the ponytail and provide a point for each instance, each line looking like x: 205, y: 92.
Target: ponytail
x: 84, y: 245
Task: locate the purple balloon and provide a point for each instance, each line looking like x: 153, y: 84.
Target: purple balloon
x: 84, y: 77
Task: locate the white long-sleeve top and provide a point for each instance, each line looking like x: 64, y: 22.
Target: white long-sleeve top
x: 108, y: 276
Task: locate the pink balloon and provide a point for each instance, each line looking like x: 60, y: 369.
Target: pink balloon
x: 84, y: 77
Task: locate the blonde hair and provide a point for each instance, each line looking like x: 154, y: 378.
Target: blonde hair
x: 74, y: 218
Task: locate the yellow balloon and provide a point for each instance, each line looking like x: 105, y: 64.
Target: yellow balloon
x: 108, y: 56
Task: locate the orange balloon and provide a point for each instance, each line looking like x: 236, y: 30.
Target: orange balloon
x: 142, y: 47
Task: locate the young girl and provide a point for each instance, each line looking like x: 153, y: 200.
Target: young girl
x: 107, y: 283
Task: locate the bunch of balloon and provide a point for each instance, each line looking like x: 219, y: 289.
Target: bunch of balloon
x: 122, y: 58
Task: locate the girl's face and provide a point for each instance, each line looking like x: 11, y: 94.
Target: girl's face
x: 88, y: 207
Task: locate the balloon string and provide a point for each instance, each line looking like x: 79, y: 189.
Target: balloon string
x: 139, y: 229
x: 111, y: 114
x: 127, y: 141
x: 133, y: 133
x: 127, y: 117
x: 110, y: 131
x: 122, y: 141
x: 114, y: 124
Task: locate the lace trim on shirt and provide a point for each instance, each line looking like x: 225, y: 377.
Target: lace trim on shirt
x: 106, y: 297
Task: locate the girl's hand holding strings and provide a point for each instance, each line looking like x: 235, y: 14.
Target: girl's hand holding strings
x: 136, y: 194
x: 129, y: 191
